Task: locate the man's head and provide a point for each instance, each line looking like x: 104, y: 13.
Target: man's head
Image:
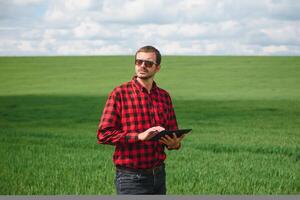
x: 147, y: 62
x: 150, y: 49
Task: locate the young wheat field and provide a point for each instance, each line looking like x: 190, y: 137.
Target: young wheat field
x: 244, y: 112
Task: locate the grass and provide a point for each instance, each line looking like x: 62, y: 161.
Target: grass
x: 244, y: 112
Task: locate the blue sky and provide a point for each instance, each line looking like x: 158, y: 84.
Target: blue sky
x: 175, y: 27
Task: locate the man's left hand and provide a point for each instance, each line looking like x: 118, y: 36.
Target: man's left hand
x: 171, y: 142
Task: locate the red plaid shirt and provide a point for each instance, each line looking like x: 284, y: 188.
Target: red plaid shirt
x: 131, y: 110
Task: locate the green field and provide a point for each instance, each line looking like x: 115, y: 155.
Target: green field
x: 244, y: 111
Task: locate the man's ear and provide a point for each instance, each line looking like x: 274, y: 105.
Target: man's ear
x: 157, y: 68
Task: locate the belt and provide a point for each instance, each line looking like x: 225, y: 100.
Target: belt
x: 153, y: 170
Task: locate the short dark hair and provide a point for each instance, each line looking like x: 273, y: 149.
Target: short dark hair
x: 150, y: 49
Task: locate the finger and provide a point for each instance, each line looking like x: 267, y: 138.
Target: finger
x: 164, y: 139
x: 181, y: 137
x: 151, y: 134
x: 159, y: 128
x: 168, y: 138
x: 174, y: 136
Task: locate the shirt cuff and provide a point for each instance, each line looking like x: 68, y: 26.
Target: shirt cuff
x: 131, y: 137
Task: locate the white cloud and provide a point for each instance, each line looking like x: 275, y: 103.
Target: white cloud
x: 56, y: 14
x: 26, y: 2
x: 285, y: 34
x: 175, y: 27
x: 137, y: 12
x: 85, y: 47
x: 275, y: 49
x: 74, y: 5
x: 87, y: 30
x: 25, y: 46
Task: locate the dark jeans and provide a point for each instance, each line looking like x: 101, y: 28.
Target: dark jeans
x: 141, y: 183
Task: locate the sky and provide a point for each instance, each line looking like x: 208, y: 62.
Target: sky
x: 175, y: 27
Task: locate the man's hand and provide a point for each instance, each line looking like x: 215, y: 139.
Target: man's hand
x: 150, y: 133
x: 171, y: 142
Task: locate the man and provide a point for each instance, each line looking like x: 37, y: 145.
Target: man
x: 134, y: 113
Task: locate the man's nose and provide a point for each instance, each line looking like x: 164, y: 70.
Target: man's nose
x: 143, y: 64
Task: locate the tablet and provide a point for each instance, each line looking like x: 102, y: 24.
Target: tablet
x: 163, y: 133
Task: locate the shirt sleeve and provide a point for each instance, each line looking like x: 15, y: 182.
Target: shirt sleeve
x: 172, y: 122
x: 110, y: 128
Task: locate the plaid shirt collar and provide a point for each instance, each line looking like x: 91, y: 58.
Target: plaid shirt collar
x: 141, y: 88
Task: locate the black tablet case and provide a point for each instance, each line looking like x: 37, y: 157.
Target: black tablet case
x: 178, y: 133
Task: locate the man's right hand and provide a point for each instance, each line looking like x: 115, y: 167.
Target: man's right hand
x: 150, y: 133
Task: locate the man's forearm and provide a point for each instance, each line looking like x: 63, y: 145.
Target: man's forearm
x: 112, y: 137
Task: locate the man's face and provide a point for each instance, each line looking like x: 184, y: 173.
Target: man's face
x: 143, y: 68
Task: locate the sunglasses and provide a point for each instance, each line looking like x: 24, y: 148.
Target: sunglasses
x: 147, y: 63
